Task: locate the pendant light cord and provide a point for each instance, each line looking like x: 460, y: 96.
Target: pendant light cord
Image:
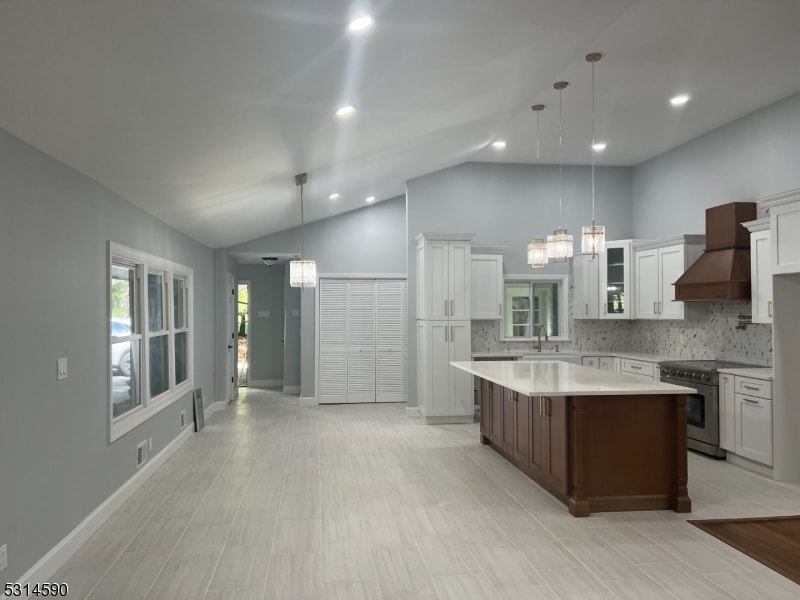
x: 560, y: 155
x: 302, y: 222
x: 538, y: 181
x: 593, y: 150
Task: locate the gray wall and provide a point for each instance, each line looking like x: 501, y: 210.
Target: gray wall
x: 291, y: 348
x: 498, y: 202
x: 265, y: 334
x: 56, y: 465
x: 748, y: 159
x: 369, y: 240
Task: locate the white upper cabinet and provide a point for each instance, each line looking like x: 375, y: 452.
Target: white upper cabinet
x: 486, y: 300
x: 585, y: 273
x: 657, y: 266
x: 760, y: 270
x: 615, y: 280
x: 784, y: 214
x: 444, y: 271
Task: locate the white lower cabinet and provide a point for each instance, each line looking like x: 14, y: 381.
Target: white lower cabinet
x: 754, y: 428
x: 745, y: 417
x: 727, y: 413
x: 641, y: 368
x: 606, y: 363
x: 591, y: 361
x: 444, y: 392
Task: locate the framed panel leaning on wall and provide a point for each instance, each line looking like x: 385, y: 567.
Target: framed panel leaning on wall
x: 150, y: 336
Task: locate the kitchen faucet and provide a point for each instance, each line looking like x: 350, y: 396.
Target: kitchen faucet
x: 539, y: 331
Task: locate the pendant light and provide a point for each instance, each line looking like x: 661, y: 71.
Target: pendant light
x: 537, y: 247
x: 302, y: 273
x: 559, y: 244
x: 593, y: 237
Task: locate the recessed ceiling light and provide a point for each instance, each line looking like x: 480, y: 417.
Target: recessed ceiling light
x: 371, y: 199
x: 360, y: 23
x: 679, y: 100
x: 499, y: 145
x: 599, y: 146
x: 345, y: 111
x: 334, y: 196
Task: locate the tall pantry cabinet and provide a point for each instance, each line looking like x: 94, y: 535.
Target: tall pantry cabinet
x: 444, y: 394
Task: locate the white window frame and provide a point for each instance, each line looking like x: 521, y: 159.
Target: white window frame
x: 149, y: 406
x: 563, y: 306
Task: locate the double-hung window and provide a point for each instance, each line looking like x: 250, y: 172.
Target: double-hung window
x: 150, y: 302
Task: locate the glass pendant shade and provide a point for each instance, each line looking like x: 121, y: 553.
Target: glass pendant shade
x: 560, y: 246
x: 537, y: 253
x: 303, y: 273
x: 593, y: 239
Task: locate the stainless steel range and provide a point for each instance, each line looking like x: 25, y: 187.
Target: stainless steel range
x: 702, y: 408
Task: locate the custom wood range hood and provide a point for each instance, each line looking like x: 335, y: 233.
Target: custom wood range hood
x: 723, y: 271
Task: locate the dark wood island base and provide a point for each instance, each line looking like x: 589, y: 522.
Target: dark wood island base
x: 600, y: 453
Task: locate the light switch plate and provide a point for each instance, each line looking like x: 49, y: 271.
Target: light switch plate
x: 263, y: 313
x: 62, y: 368
x: 3, y: 557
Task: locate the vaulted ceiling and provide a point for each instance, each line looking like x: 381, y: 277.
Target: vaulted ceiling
x: 201, y: 112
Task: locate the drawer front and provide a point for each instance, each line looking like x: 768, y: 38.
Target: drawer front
x: 638, y: 367
x: 754, y: 387
x: 589, y: 361
x: 606, y: 363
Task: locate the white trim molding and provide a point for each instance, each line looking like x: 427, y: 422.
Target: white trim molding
x: 212, y: 408
x: 51, y: 562
x: 308, y: 401
x: 291, y: 389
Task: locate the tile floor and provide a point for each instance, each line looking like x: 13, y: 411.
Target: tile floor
x: 274, y: 500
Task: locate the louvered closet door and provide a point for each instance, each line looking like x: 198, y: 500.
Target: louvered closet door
x: 389, y: 374
x: 332, y: 341
x: 361, y: 323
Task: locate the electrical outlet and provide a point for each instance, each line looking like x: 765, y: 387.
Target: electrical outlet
x: 3, y: 557
x: 183, y: 419
x: 149, y: 443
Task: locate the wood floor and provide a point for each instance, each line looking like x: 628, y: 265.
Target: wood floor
x: 276, y: 500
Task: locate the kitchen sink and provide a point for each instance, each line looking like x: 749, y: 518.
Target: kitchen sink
x: 565, y: 356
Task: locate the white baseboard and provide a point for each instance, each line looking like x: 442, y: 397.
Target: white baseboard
x: 413, y: 412
x: 63, y: 550
x: 451, y: 420
x: 291, y: 389
x: 212, y: 408
x: 308, y: 401
x: 265, y: 383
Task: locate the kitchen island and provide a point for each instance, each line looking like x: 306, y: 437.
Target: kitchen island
x: 598, y: 441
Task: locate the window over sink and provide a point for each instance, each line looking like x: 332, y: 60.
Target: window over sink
x: 533, y: 301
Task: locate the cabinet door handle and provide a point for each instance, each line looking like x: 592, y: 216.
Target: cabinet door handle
x: 604, y: 308
x: 751, y: 401
x: 452, y: 333
x: 751, y: 387
x: 655, y: 308
x: 500, y: 309
x: 635, y: 367
x: 452, y: 307
x: 540, y: 405
x: 445, y: 334
x: 445, y: 309
x: 769, y: 308
x: 547, y: 407
x: 586, y: 310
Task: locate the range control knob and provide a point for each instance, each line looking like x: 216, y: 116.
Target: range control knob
x: 706, y: 378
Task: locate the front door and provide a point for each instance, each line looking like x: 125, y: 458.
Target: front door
x: 230, y: 357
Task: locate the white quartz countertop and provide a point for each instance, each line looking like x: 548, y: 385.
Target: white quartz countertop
x: 559, y: 378
x: 754, y: 372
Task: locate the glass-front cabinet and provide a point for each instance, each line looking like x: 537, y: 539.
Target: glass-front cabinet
x: 615, y: 283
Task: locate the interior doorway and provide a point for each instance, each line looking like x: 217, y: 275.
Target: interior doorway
x: 243, y: 330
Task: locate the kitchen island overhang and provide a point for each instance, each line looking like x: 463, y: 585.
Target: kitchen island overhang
x: 598, y: 441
